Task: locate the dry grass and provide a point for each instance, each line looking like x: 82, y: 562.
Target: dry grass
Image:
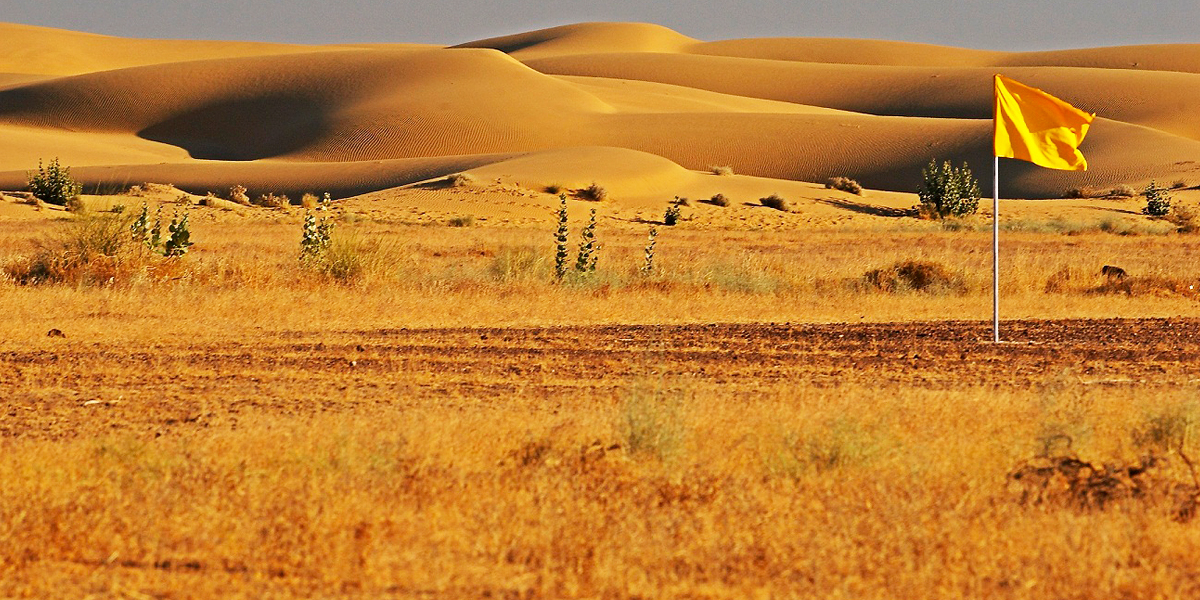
x: 776, y: 202
x: 460, y: 180
x: 721, y: 170
x: 594, y: 192
x: 253, y: 430
x: 844, y: 184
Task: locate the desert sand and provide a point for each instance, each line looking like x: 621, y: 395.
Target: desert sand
x: 640, y: 109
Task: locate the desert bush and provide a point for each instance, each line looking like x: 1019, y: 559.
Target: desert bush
x: 53, y: 184
x: 776, y: 202
x: 594, y: 192
x: 648, y: 264
x: 348, y: 258
x: 180, y: 240
x: 671, y: 216
x: 723, y: 171
x: 1185, y: 218
x: 914, y: 276
x: 271, y: 200
x: 844, y: 184
x: 1158, y: 201
x: 1179, y: 184
x: 948, y: 191
x: 840, y: 444
x: 309, y: 201
x: 555, y: 188
x: 91, y: 250
x: 237, y: 194
x: 585, y: 260
x: 719, y: 200
x: 460, y: 180
x: 517, y: 264
x: 681, y: 201
x: 560, y: 240
x: 462, y: 221
x: 315, y: 238
x: 1121, y: 191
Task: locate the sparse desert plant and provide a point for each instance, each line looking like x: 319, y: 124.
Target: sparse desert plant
x: 271, y: 200
x: 309, y: 201
x: 560, y: 240
x: 180, y: 240
x: 671, y: 216
x: 681, y: 201
x: 948, y: 191
x: 1179, y: 184
x: 914, y: 276
x: 555, y: 188
x: 719, y: 200
x: 315, y: 238
x: 52, y: 183
x: 651, y: 425
x: 460, y: 179
x: 76, y: 205
x: 1121, y: 191
x: 462, y: 221
x: 237, y: 194
x: 517, y: 264
x: 776, y: 202
x: 844, y: 184
x: 723, y: 170
x: 585, y: 261
x: 117, y: 209
x: 594, y: 192
x: 648, y: 264
x: 348, y: 258
x: 1158, y: 201
x: 94, y: 249
x: 1185, y: 218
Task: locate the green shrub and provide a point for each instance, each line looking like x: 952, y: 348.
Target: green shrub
x: 585, y: 261
x: 315, y: 238
x: 53, y: 184
x: 560, y: 240
x: 92, y: 250
x: 948, y: 191
x: 671, y: 217
x: 1158, y: 201
x: 648, y: 265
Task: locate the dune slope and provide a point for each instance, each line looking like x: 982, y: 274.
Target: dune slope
x: 576, y: 103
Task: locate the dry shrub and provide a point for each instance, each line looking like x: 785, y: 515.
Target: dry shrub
x: 1060, y: 281
x: 270, y: 200
x: 463, y: 221
x: 914, y: 276
x: 350, y: 259
x: 212, y: 201
x: 1185, y: 218
x: 460, y: 180
x: 776, y: 202
x: 723, y: 170
x: 719, y: 200
x: 310, y: 201
x: 1149, y: 285
x: 237, y: 194
x: 1121, y: 191
x: 594, y: 192
x: 555, y: 188
x: 844, y: 184
x: 1179, y: 184
x: 92, y: 250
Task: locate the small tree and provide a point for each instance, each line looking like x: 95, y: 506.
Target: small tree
x: 948, y: 191
x: 53, y: 184
x: 648, y: 266
x: 1158, y: 201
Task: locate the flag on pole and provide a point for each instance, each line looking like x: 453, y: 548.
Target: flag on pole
x: 1034, y: 126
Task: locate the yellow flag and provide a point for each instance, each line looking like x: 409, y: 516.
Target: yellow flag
x: 1034, y: 126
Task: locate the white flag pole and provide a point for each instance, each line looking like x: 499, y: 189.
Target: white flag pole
x: 996, y: 249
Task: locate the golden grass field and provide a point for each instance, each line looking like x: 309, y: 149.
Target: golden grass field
x: 780, y: 408
x: 749, y: 421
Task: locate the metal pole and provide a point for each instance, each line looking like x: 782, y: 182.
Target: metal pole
x: 996, y: 250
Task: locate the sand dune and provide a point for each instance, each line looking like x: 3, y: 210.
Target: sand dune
x: 637, y: 105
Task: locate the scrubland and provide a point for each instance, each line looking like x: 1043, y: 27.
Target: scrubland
x: 753, y: 419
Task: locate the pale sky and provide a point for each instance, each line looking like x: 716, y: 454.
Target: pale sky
x: 988, y: 24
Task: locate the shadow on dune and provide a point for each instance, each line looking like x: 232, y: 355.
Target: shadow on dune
x: 868, y: 209
x: 242, y: 129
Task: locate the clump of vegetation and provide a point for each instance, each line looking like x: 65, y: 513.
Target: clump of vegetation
x: 948, y: 191
x: 1091, y: 191
x: 585, y: 261
x: 555, y: 188
x: 315, y: 239
x: 844, y: 184
x: 1121, y: 191
x: 719, y: 200
x: 681, y: 201
x: 651, y: 425
x: 671, y: 217
x: 1185, y: 218
x: 560, y: 240
x: 462, y: 221
x: 723, y: 171
x: 914, y: 276
x: 53, y: 184
x: 1158, y: 201
x: 309, y: 201
x: 776, y: 202
x: 150, y: 236
x: 271, y: 200
x: 594, y: 192
x: 237, y: 194
x: 1179, y: 184
x: 648, y: 265
x: 460, y: 180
